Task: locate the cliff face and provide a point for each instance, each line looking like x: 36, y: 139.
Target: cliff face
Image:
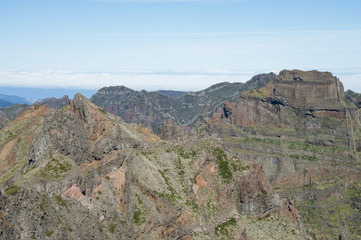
x: 309, y: 93
x: 310, y: 90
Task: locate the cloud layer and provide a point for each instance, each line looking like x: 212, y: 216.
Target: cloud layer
x: 184, y: 80
x: 148, y: 80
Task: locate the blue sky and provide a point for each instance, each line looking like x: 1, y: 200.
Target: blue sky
x: 182, y: 44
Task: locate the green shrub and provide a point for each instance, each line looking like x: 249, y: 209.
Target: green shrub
x: 12, y: 190
x: 112, y: 227
x: 48, y: 232
x: 221, y: 229
x: 222, y: 161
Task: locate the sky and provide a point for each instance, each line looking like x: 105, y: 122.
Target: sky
x: 174, y: 44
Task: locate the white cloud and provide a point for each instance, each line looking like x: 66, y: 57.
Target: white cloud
x: 182, y: 80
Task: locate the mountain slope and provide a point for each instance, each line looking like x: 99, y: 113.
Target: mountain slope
x: 307, y: 137
x: 86, y: 174
x: 13, y: 111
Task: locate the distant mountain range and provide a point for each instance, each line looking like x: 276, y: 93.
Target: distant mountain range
x: 8, y: 100
x: 4, y: 103
x: 187, y: 109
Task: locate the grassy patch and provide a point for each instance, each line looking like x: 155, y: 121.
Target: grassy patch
x: 60, y: 201
x: 192, y: 204
x: 185, y: 154
x: 12, y: 190
x: 222, y: 161
x: 303, y: 157
x: 112, y: 227
x: 42, y: 206
x: 48, y: 232
x: 222, y: 229
x: 173, y: 194
x: 138, y: 216
x: 55, y: 169
x: 102, y: 111
x: 261, y: 140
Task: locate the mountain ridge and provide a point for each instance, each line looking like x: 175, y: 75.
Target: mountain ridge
x: 257, y: 168
x: 189, y: 109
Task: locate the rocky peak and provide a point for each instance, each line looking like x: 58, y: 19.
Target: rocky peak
x: 305, y: 76
x: 259, y: 81
x: 169, y: 130
x: 309, y: 92
x: 309, y: 89
x: 353, y: 97
x: 55, y: 102
x: 83, y: 132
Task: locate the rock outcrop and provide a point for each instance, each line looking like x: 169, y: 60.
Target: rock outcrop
x: 353, y: 97
x: 83, y: 132
x: 169, y: 130
x: 256, y: 194
x: 275, y: 105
